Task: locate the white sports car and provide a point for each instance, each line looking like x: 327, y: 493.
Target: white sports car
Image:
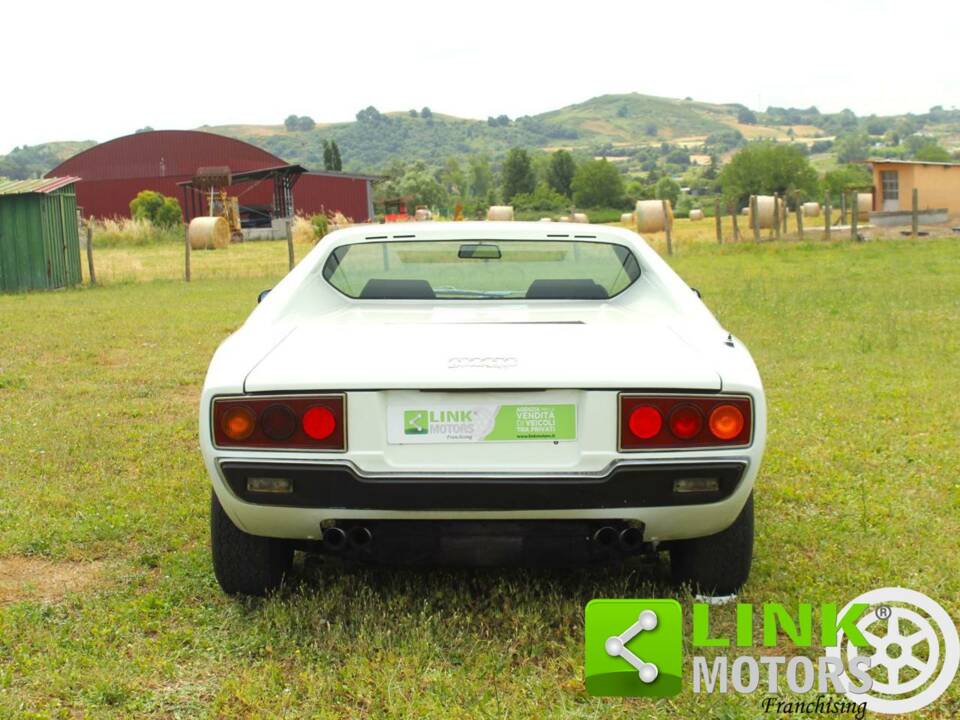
x: 490, y: 393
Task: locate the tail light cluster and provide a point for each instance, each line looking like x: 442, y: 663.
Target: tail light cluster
x: 652, y: 422
x: 294, y: 422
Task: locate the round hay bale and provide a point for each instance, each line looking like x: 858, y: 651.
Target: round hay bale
x: 864, y: 205
x: 500, y: 212
x: 564, y: 218
x: 765, y: 205
x: 650, y: 216
x: 546, y: 219
x: 811, y: 209
x: 696, y: 214
x: 209, y: 233
x: 745, y: 211
x: 580, y: 218
x: 626, y: 218
x: 422, y: 215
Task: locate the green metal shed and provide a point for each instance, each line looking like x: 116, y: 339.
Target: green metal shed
x: 39, y: 240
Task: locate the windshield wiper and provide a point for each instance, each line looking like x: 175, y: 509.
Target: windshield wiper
x: 474, y: 293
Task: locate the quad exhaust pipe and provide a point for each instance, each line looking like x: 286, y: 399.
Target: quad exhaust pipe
x: 630, y: 539
x: 359, y: 537
x: 605, y: 537
x: 334, y: 538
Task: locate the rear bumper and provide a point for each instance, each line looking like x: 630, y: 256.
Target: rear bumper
x: 340, y: 486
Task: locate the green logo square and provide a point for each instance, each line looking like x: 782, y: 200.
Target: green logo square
x: 633, y: 647
x: 416, y: 422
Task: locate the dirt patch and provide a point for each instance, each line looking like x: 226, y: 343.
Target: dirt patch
x: 28, y: 578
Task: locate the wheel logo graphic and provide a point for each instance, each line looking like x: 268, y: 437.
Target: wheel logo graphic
x: 916, y: 650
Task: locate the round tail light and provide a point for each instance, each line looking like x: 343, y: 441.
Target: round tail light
x: 319, y: 423
x: 278, y: 422
x: 685, y: 422
x: 645, y: 422
x: 726, y: 422
x: 238, y: 423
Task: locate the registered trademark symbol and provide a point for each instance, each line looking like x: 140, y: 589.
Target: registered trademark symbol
x: 883, y: 612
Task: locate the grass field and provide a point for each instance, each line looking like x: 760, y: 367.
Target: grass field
x: 108, y: 606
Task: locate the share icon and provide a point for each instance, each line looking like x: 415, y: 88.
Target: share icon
x: 616, y: 646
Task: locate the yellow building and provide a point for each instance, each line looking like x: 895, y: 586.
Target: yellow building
x: 937, y: 184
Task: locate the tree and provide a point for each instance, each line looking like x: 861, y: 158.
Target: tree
x: 561, y: 171
x: 420, y: 184
x: 517, y: 174
x: 543, y: 199
x: 291, y: 122
x: 145, y: 128
x: 481, y: 176
x: 413, y: 113
x: 370, y: 114
x: 337, y: 162
x: 852, y: 147
x: 746, y: 116
x: 597, y: 183
x: 764, y: 168
x: 327, y: 155
x: 650, y: 129
x: 426, y: 113
x: 932, y: 152
x: 305, y: 123
x: 667, y: 189
x: 156, y: 208
x: 452, y: 177
x: 846, y: 177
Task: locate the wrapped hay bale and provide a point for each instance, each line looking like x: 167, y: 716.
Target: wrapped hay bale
x: 422, y: 215
x: 864, y: 205
x: 650, y: 216
x: 580, y: 218
x: 209, y: 233
x: 564, y: 218
x: 500, y: 212
x: 811, y: 209
x: 546, y: 219
x: 626, y: 218
x: 696, y: 214
x: 745, y: 211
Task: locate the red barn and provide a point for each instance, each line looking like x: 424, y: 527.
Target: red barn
x: 112, y: 173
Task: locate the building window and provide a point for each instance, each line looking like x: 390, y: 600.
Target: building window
x: 890, y: 182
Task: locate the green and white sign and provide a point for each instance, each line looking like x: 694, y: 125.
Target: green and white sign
x: 481, y: 423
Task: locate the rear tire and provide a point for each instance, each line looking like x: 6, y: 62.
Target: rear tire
x: 245, y: 564
x: 717, y: 564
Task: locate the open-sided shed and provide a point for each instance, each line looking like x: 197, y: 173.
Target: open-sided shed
x: 39, y: 241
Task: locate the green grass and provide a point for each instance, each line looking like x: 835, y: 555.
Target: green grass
x: 858, y: 348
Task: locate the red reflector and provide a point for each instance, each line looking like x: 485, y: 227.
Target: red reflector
x: 645, y: 422
x: 685, y: 422
x: 726, y: 422
x: 319, y: 423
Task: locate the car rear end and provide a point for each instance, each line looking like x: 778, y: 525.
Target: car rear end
x: 562, y: 430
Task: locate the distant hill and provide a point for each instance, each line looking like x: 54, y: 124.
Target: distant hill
x: 629, y: 128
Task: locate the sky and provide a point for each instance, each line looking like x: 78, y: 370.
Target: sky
x: 97, y: 70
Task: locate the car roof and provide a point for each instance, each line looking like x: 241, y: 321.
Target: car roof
x: 484, y: 230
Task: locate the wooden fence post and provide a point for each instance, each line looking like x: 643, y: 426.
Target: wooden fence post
x: 732, y: 209
x: 776, y: 216
x: 717, y: 218
x: 799, y: 216
x: 915, y: 213
x: 186, y: 253
x: 93, y: 274
x: 827, y: 210
x: 754, y: 219
x: 666, y: 227
x: 843, y: 208
x: 289, y: 226
x: 854, y: 215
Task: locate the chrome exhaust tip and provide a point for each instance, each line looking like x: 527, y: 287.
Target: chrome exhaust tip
x: 334, y: 538
x: 360, y: 537
x: 631, y: 538
x: 605, y: 536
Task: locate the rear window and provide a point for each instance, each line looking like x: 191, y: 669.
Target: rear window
x: 481, y: 270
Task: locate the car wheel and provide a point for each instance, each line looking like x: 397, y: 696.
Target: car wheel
x: 245, y: 564
x: 717, y: 564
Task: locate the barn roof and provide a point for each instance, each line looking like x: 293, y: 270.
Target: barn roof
x: 42, y: 185
x: 164, y: 153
